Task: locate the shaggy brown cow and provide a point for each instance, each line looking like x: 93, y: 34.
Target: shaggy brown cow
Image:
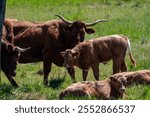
x: 135, y: 77
x: 7, y: 33
x: 49, y: 39
x: 90, y: 53
x: 9, y: 58
x: 110, y: 88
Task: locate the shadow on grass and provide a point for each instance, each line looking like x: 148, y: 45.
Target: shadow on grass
x: 56, y: 82
x: 6, y: 91
x: 40, y: 72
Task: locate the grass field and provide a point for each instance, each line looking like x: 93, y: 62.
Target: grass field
x: 127, y: 17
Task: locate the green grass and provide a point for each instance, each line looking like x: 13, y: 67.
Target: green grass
x: 127, y: 17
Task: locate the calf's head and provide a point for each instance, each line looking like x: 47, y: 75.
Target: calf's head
x: 70, y: 58
x: 77, y: 29
x: 119, y: 83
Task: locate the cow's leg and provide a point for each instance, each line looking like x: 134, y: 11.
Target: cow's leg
x: 95, y: 69
x: 123, y: 66
x: 47, y: 69
x: 84, y: 74
x: 12, y: 81
x: 71, y: 72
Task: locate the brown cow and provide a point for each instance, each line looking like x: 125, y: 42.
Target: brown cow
x: 9, y: 58
x: 135, y: 77
x: 111, y: 88
x: 49, y: 39
x: 89, y: 53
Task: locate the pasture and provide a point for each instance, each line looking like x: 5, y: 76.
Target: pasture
x: 127, y: 17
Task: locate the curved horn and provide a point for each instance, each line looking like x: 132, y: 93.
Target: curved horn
x: 22, y: 49
x: 64, y: 20
x: 95, y: 22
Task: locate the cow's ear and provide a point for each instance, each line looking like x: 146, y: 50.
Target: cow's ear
x: 76, y: 54
x: 113, y: 79
x: 89, y: 30
x: 67, y: 29
x: 10, y: 48
x: 62, y: 54
x: 129, y: 79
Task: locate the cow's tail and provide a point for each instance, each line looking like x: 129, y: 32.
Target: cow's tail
x: 130, y: 53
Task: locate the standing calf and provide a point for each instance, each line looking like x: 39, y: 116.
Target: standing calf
x: 90, y: 53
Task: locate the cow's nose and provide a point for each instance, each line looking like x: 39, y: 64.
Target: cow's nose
x: 14, y: 73
x: 66, y: 65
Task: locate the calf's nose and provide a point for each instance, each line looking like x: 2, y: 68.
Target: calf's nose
x: 122, y: 89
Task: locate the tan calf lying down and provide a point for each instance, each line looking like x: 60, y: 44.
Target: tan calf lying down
x: 90, y: 53
x: 110, y: 88
x: 135, y: 77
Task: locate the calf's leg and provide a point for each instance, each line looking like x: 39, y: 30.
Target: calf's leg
x: 116, y: 67
x: 71, y: 72
x: 84, y: 74
x: 95, y: 69
x: 123, y: 66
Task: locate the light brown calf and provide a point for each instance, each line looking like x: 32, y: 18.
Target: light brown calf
x: 90, y: 53
x: 110, y: 88
x: 135, y: 77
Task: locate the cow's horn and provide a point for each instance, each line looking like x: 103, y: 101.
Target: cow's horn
x: 64, y: 20
x: 23, y: 49
x: 95, y: 22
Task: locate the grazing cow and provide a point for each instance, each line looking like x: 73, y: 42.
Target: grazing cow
x: 89, y: 53
x: 7, y: 33
x: 49, y: 39
x: 111, y: 88
x: 135, y: 77
x: 9, y: 58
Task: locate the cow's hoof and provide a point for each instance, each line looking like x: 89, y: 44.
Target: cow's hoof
x: 46, y: 84
x: 15, y: 85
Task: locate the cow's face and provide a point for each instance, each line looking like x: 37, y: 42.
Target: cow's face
x: 119, y: 83
x: 9, y: 60
x: 77, y: 31
x: 70, y: 58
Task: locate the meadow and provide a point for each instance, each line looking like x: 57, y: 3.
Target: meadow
x: 127, y: 17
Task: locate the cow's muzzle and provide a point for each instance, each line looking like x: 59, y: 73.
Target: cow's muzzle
x: 122, y: 89
x: 13, y: 74
x: 66, y: 65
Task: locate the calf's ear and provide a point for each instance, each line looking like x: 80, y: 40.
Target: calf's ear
x: 113, y: 79
x: 62, y: 54
x: 89, y: 30
x: 76, y: 54
x: 129, y: 79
